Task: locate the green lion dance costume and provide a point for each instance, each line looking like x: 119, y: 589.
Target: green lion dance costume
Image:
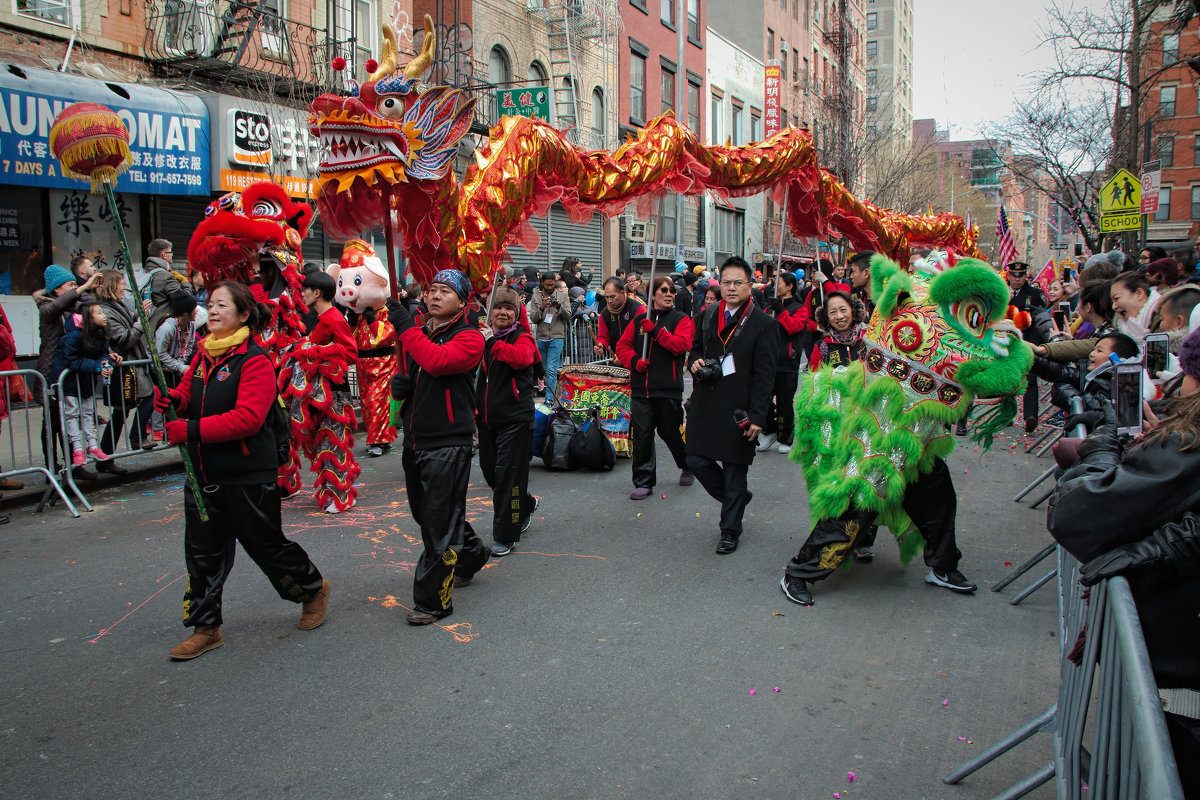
x: 871, y: 436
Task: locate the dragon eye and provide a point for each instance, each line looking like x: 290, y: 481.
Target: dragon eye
x: 973, y: 313
x: 391, y: 107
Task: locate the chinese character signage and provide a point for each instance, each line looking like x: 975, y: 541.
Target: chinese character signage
x: 10, y: 229
x: 772, y: 80
x: 531, y: 101
x: 81, y: 224
x: 168, y: 133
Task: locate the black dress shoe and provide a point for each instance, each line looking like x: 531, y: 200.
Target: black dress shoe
x: 796, y: 590
x: 727, y: 545
x: 83, y: 473
x: 3, y: 519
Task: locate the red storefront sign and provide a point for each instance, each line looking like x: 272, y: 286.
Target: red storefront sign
x: 772, y: 79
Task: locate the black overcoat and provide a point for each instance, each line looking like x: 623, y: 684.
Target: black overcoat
x: 711, y: 430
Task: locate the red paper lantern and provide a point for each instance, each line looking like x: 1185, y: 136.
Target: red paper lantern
x: 91, y: 143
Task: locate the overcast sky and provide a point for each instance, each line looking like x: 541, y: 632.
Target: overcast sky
x: 972, y: 58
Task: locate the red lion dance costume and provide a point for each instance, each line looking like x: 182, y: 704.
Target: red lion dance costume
x: 362, y: 289
x: 322, y: 413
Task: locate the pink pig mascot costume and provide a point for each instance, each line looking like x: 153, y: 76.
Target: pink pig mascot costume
x: 363, y: 288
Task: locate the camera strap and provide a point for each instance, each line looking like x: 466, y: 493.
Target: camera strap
x: 727, y: 342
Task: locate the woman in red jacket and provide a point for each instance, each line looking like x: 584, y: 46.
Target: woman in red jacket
x: 223, y: 401
x: 656, y: 383
x: 504, y: 390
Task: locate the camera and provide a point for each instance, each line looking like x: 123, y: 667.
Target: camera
x: 709, y: 371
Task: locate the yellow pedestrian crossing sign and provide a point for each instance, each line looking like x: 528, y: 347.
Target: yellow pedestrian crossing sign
x: 1122, y: 193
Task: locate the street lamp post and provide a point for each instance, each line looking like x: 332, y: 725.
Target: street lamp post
x: 1029, y: 238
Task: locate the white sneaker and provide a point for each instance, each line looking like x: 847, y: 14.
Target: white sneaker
x: 785, y: 448
x: 332, y: 509
x: 766, y: 442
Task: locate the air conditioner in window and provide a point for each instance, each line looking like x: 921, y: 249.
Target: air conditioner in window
x: 636, y: 230
x: 817, y: 14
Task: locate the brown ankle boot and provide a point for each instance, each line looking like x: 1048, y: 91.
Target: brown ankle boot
x: 205, y: 638
x: 312, y: 613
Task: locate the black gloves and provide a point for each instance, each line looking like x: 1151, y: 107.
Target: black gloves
x: 1101, y: 448
x: 400, y: 318
x: 401, y: 384
x: 1088, y: 419
x: 1175, y: 545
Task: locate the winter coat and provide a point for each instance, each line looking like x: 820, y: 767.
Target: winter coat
x: 439, y: 408
x: 670, y: 340
x: 611, y: 325
x: 125, y: 337
x: 792, y: 318
x: 82, y: 360
x: 1111, y: 499
x: 712, y: 431
x: 161, y: 283
x: 52, y: 312
x: 225, y: 402
x: 558, y: 311
x: 830, y: 350
x: 504, y: 388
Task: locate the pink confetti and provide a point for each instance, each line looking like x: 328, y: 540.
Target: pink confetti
x: 776, y: 689
x: 1008, y: 563
x: 753, y: 692
x: 836, y: 796
x: 945, y: 702
x: 851, y: 777
x: 962, y: 738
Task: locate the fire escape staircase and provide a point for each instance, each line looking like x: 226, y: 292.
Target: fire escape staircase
x: 559, y: 19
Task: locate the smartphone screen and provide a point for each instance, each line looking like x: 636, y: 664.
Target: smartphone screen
x: 1127, y: 398
x: 1155, y: 353
x: 1060, y: 320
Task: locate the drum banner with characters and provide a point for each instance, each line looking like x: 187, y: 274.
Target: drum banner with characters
x: 582, y: 387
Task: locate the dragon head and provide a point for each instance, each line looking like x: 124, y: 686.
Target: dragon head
x: 942, y: 330
x: 391, y: 129
x: 242, y: 233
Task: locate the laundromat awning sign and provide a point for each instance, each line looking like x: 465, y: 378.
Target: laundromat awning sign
x: 168, y: 131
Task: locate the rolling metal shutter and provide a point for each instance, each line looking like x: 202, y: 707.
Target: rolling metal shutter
x: 522, y: 258
x: 177, y: 219
x: 561, y: 238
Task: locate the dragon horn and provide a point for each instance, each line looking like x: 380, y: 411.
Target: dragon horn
x: 416, y: 68
x: 387, y: 59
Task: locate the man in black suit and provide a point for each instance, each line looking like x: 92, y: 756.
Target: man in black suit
x: 733, y: 370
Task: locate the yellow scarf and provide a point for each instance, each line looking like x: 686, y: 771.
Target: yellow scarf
x: 218, y: 347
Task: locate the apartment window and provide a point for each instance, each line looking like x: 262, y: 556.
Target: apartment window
x: 536, y: 75
x: 1170, y: 48
x: 805, y: 85
x: 667, y: 12
x: 56, y: 11
x: 728, y: 231
x: 770, y: 43
x: 714, y: 117
x: 598, y: 110
x: 756, y: 128
x: 667, y: 87
x: 693, y: 100
x: 637, y: 88
x: 872, y: 78
x: 795, y: 9
x: 1196, y: 151
x: 795, y: 66
x: 498, y: 66
x: 872, y: 102
x: 1166, y: 102
x: 271, y: 27
x: 783, y: 62
x: 640, y: 5
x: 872, y: 48
x: 783, y: 118
x: 872, y: 20
x: 1164, y: 204
x: 738, y: 116
x: 1196, y: 202
x: 693, y: 12
x: 1166, y: 151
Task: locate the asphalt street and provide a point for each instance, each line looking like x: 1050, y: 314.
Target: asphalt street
x: 612, y: 655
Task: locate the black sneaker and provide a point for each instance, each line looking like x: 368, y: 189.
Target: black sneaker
x: 796, y: 590
x: 865, y: 553
x: 953, y: 580
x: 537, y: 501
x: 501, y: 549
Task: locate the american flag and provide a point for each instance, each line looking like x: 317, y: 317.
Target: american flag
x: 1008, y: 250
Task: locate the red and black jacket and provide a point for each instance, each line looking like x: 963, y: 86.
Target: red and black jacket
x: 504, y: 390
x: 612, y: 325
x: 837, y: 354
x: 793, y: 325
x: 669, y: 341
x: 439, y: 410
x: 225, y: 402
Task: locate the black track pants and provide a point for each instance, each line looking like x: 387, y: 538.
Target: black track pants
x: 250, y: 515
x: 437, y: 494
x: 504, y: 452
x: 647, y: 415
x: 781, y: 417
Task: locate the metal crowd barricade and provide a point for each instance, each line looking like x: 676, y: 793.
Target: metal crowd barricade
x: 27, y: 453
x: 125, y: 410
x: 1109, y: 692
x: 579, y: 342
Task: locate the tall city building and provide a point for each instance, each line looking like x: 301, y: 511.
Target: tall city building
x: 889, y: 70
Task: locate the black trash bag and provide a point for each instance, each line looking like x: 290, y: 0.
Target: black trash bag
x: 557, y: 452
x: 590, y: 448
